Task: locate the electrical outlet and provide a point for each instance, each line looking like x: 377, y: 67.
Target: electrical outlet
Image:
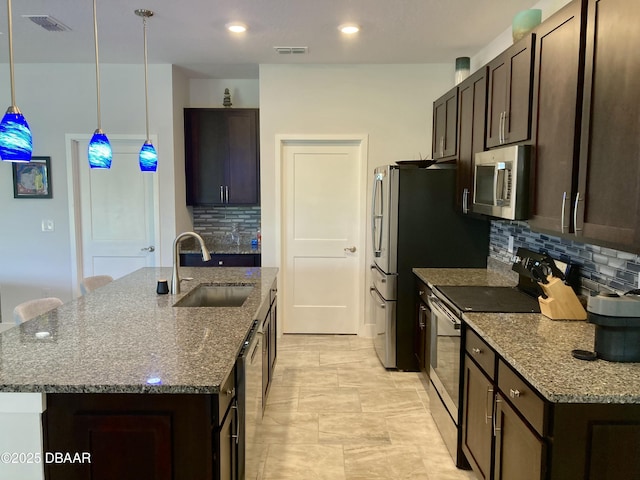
x: 48, y: 226
x: 510, y: 248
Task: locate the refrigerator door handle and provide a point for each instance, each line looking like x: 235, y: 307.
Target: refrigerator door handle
x: 376, y: 217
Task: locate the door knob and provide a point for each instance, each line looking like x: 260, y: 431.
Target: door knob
x: 150, y: 248
x: 350, y: 249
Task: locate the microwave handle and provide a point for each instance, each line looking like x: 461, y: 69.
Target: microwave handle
x: 499, y: 183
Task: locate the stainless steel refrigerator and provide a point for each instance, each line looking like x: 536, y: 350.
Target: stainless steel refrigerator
x: 414, y: 223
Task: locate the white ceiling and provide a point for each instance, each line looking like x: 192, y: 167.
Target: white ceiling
x: 192, y: 34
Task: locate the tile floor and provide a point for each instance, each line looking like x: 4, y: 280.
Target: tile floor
x: 335, y: 413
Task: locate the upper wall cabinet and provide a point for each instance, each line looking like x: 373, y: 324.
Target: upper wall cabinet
x: 609, y: 186
x: 472, y: 107
x: 509, y: 104
x: 445, y: 125
x: 221, y: 156
x: 557, y: 106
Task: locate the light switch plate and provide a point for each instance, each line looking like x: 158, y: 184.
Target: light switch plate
x: 48, y: 226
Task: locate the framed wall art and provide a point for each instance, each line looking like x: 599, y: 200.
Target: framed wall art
x: 32, y: 179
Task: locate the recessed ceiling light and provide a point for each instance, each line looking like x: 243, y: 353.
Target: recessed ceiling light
x: 236, y: 27
x: 349, y: 28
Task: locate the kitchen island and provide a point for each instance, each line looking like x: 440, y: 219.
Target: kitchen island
x: 528, y: 406
x: 158, y: 370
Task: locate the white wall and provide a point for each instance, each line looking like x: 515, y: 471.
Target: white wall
x: 210, y: 93
x: 392, y: 104
x: 58, y: 99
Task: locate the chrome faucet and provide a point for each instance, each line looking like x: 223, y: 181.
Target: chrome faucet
x: 175, y: 276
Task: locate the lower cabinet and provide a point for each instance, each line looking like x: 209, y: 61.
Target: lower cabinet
x: 143, y: 436
x: 519, y: 452
x: 509, y: 431
x: 477, y: 419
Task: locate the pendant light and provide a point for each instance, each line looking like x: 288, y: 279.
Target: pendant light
x: 99, y: 154
x: 148, y: 157
x: 15, y: 137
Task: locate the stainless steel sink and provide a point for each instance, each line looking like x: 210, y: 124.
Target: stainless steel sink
x: 207, y: 295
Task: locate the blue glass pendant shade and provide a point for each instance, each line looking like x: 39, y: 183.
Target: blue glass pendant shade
x: 15, y: 137
x: 100, y: 153
x: 148, y: 157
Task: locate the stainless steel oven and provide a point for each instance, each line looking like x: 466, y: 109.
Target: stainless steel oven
x: 444, y: 374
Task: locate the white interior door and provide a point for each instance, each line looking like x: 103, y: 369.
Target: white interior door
x: 117, y: 213
x: 322, y: 233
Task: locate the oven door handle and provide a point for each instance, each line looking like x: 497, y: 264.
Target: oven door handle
x: 438, y: 307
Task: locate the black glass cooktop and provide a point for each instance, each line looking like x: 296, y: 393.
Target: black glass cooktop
x: 490, y: 299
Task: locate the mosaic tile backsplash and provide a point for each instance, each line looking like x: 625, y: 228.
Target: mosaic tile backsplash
x: 601, y: 268
x: 212, y: 221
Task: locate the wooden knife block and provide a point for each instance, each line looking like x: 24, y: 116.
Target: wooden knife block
x: 561, y: 302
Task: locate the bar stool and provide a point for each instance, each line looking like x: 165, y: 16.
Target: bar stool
x: 32, y: 308
x: 89, y: 284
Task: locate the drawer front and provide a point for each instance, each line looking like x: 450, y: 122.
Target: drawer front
x: 227, y: 392
x: 482, y: 353
x: 525, y: 399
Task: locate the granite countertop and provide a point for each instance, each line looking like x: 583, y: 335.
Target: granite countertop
x: 116, y: 338
x: 540, y: 348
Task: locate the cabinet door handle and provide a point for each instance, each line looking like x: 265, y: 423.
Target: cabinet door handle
x: 226, y: 194
x: 504, y: 128
x: 564, y: 204
x: 423, y: 308
x: 496, y: 415
x: 221, y: 194
x: 442, y: 146
x: 236, y: 436
x: 465, y: 200
x: 488, y: 402
x: 500, y: 128
x: 514, y: 393
x: 477, y: 351
x: 575, y: 215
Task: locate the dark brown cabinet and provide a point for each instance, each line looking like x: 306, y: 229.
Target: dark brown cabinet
x: 608, y: 190
x: 477, y: 419
x: 557, y: 106
x: 478, y: 395
x: 519, y: 452
x: 501, y: 439
x: 509, y: 101
x: 445, y: 125
x: 472, y: 108
x: 510, y: 431
x: 222, y: 156
x: 151, y: 436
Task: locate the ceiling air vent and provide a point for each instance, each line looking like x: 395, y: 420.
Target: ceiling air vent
x: 291, y: 50
x: 48, y: 23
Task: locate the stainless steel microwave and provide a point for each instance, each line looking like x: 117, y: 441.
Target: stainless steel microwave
x: 501, y: 182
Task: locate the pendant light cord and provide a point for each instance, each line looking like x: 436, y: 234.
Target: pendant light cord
x: 95, y: 37
x: 10, y: 22
x: 146, y: 74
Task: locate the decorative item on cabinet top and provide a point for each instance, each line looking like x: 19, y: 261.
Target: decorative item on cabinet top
x: 227, y: 98
x: 463, y: 68
x: 524, y: 22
